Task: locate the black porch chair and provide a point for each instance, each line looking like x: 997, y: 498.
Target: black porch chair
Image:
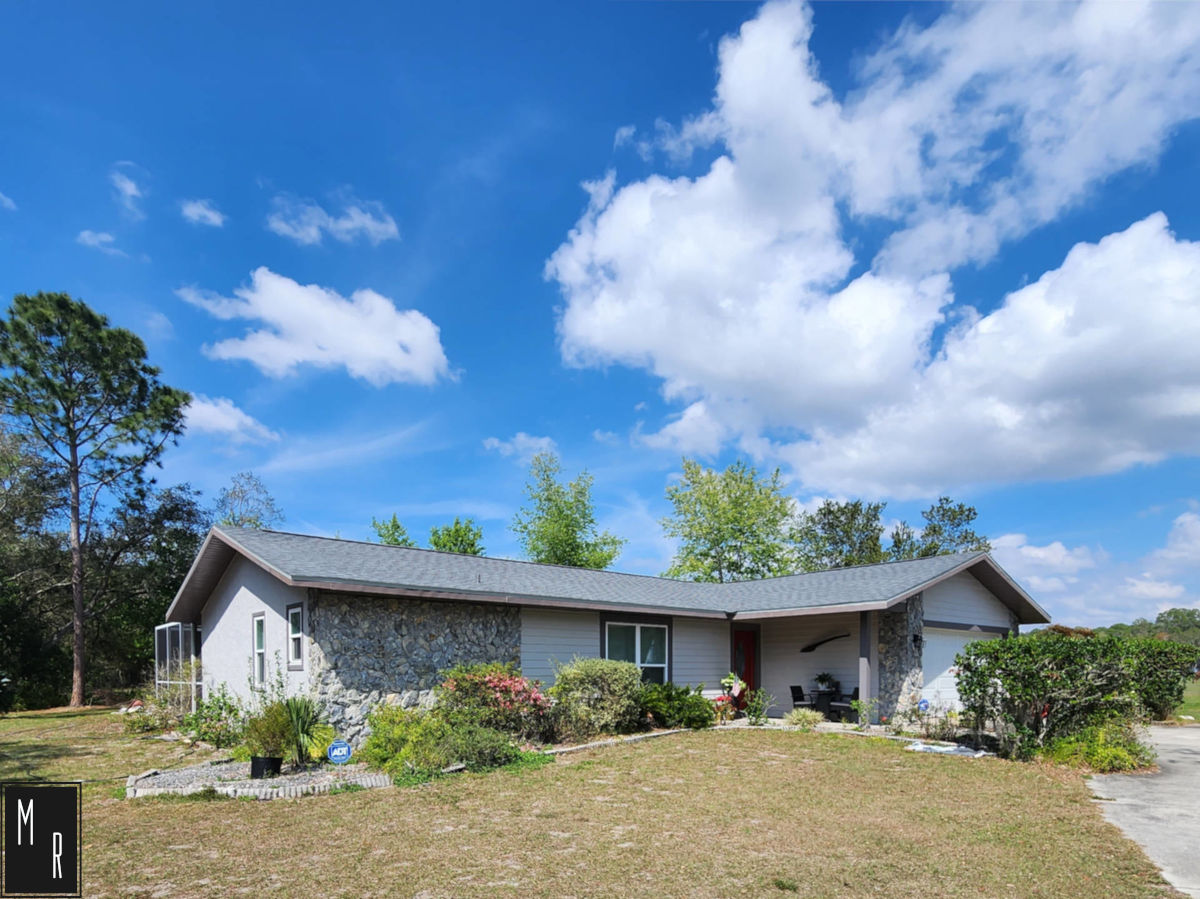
x: 842, y: 707
x: 798, y: 700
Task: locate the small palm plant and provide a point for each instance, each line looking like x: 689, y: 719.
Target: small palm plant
x: 305, y: 718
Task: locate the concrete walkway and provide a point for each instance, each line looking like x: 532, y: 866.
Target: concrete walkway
x: 1161, y: 812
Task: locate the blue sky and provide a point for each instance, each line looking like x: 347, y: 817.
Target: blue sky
x: 896, y: 251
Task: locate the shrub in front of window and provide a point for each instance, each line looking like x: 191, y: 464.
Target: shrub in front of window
x: 596, y: 696
x: 669, y: 705
x: 495, y: 695
x: 219, y: 719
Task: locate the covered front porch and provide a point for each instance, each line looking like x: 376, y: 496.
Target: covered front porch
x: 874, y: 656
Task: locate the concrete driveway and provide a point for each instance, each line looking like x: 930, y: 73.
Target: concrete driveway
x: 1161, y: 812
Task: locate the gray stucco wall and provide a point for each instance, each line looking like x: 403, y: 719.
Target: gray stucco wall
x: 371, y: 649
x: 227, y: 636
x: 900, y: 673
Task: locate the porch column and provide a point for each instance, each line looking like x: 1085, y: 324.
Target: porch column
x: 864, y: 655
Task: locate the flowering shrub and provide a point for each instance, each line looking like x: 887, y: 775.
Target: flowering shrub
x: 495, y: 695
x: 726, y: 707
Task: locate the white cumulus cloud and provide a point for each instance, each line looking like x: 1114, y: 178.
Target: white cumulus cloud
x: 1183, y: 543
x: 7, y: 202
x: 306, y: 324
x: 201, y: 212
x: 307, y: 222
x: 740, y: 289
x: 1146, y: 586
x: 219, y: 415
x: 1048, y: 568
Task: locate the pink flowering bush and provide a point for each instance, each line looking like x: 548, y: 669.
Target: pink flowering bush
x: 495, y: 695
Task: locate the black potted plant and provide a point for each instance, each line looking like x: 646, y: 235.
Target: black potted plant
x: 267, y: 735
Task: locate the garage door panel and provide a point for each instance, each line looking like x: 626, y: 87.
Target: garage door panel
x: 937, y: 660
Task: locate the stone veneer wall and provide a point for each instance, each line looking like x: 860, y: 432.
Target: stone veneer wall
x: 900, y: 674
x: 370, y: 649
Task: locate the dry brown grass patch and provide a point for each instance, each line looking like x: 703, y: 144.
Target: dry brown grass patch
x: 700, y: 814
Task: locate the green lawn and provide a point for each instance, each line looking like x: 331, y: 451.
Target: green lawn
x: 759, y: 813
x: 1191, y: 701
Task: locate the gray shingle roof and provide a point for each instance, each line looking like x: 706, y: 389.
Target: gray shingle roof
x: 331, y: 563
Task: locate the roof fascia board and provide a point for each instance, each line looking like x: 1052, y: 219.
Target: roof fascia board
x: 748, y: 615
x: 187, y: 578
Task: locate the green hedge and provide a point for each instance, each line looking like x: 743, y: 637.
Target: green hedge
x: 596, y: 696
x: 670, y: 705
x: 1036, y: 688
x: 416, y: 745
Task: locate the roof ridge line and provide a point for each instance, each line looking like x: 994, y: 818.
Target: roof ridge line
x: 653, y: 577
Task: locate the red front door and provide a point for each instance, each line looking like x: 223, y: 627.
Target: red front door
x: 745, y: 660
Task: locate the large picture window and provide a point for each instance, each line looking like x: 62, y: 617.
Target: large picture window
x: 258, y: 630
x: 643, y: 644
x: 295, y: 619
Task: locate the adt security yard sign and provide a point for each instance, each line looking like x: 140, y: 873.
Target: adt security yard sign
x: 339, y: 752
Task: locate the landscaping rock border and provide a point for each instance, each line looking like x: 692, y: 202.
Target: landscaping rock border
x: 197, y: 778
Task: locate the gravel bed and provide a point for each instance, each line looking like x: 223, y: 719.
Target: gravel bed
x: 232, y: 778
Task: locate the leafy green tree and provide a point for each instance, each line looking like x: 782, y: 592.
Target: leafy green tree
x: 559, y: 524
x: 98, y: 412
x: 947, y: 530
x: 1179, y: 625
x: 246, y: 503
x: 840, y: 534
x: 463, y: 536
x: 732, y: 525
x: 392, y: 532
x: 138, y: 560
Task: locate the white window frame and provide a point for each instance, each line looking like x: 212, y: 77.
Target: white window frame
x: 295, y: 637
x: 637, y: 644
x: 258, y: 656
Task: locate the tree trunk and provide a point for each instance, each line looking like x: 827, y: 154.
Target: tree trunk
x: 76, y: 587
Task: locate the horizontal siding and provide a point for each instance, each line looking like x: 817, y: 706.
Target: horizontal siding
x: 556, y: 635
x: 964, y: 600
x: 701, y: 652
x: 783, y: 664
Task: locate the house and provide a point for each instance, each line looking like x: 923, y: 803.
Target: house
x: 360, y: 623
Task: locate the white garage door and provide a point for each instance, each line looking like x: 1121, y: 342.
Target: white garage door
x: 937, y: 658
